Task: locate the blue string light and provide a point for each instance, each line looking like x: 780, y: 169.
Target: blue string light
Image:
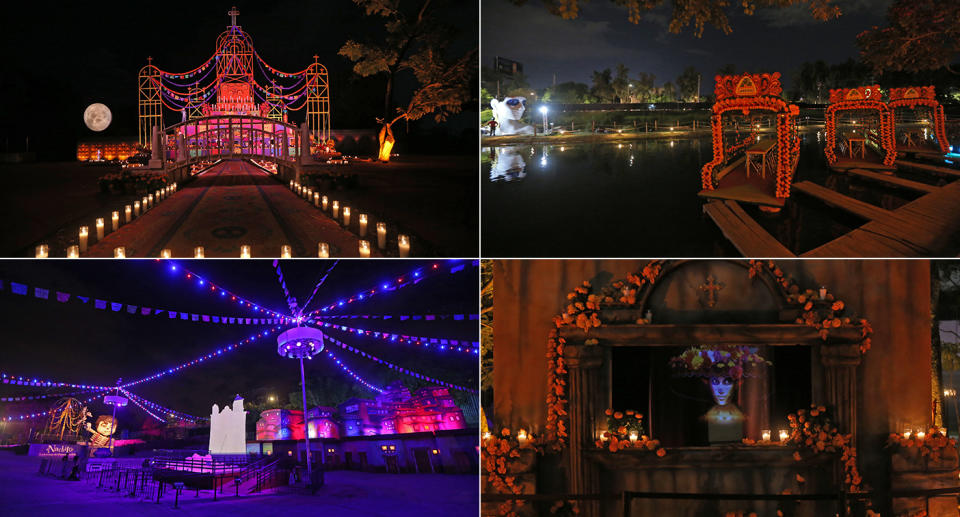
x: 27, y: 398
x: 411, y: 278
x: 175, y: 414
x: 401, y: 317
x: 392, y: 366
x: 317, y: 288
x: 440, y: 344
x: 350, y: 372
x: 147, y: 411
x: 218, y: 352
x: 213, y: 288
x: 20, y: 381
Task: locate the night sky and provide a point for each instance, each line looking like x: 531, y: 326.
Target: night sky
x: 772, y: 39
x: 60, y: 58
x: 73, y: 342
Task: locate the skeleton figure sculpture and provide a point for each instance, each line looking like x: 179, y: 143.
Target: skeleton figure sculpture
x: 508, y: 113
x: 100, y: 437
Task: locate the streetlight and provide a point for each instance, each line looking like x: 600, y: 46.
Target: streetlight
x: 543, y: 111
x: 300, y: 343
x: 272, y: 398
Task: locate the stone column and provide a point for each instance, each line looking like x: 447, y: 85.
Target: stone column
x: 182, y: 148
x: 156, y: 153
x: 305, y: 156
x: 840, y: 383
x: 583, y: 366
x: 285, y: 144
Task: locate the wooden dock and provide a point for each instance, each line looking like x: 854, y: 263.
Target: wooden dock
x: 835, y: 199
x: 747, y: 235
x: 926, y: 227
x: 929, y: 168
x: 893, y: 181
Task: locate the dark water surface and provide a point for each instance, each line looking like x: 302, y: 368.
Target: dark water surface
x: 639, y: 199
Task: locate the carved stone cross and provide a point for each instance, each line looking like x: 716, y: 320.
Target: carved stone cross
x: 711, y: 288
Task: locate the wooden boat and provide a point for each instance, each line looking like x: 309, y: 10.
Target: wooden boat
x: 755, y: 142
x: 918, y: 122
x: 859, y: 130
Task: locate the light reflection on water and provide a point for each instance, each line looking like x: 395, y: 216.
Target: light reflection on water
x: 639, y: 198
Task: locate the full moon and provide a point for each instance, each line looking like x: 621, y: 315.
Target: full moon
x: 97, y: 117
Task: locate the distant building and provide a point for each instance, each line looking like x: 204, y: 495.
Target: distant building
x: 395, y: 411
x: 105, y: 151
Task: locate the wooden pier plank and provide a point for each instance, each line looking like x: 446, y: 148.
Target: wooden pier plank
x: 746, y: 234
x: 835, y: 199
x: 928, y: 168
x: 929, y: 226
x: 893, y: 180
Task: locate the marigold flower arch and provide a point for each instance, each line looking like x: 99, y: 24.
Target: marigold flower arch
x: 862, y: 97
x: 914, y: 96
x: 746, y: 92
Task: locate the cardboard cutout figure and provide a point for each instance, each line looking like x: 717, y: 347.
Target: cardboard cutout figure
x: 100, y: 437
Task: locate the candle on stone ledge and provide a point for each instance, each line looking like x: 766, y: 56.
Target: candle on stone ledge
x: 127, y: 214
x: 363, y: 225
x: 784, y: 435
x: 633, y: 436
x: 823, y: 293
x: 84, y: 234
x: 198, y: 252
x: 365, y: 249
x: 346, y: 216
x: 765, y: 435
x: 136, y: 209
x: 166, y: 253
x: 336, y: 209
x: 382, y: 235
x: 73, y: 251
x: 285, y: 251
x: 99, y: 229
x: 522, y: 436
x: 115, y: 221
x: 245, y: 251
x: 403, y: 245
x: 323, y: 250
x: 921, y: 435
x: 316, y: 199
x: 119, y: 252
x: 43, y: 251
x: 907, y: 433
x: 324, y: 202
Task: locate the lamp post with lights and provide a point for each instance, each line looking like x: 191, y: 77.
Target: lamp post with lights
x: 543, y: 111
x: 300, y: 343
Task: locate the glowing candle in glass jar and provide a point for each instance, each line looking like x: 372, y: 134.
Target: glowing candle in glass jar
x: 907, y: 433
x: 323, y: 250
x: 159, y: 195
x: 346, y: 216
x: 336, y: 209
x: 765, y: 435
x: 115, y: 221
x: 119, y: 252
x: 150, y: 199
x: 823, y: 293
x: 920, y: 435
x: 99, y: 229
x: 84, y: 233
x: 145, y: 203
x: 198, y: 252
x: 633, y: 436
x: 245, y: 251
x: 291, y: 184
x: 365, y: 249
x: 382, y: 235
x: 166, y: 253
x: 285, y: 251
x: 486, y: 435
x: 43, y: 251
x: 127, y: 214
x: 363, y: 225
x: 522, y: 436
x: 324, y: 202
x: 784, y: 435
x: 136, y: 209
x: 403, y: 245
x: 73, y: 251
x: 316, y: 199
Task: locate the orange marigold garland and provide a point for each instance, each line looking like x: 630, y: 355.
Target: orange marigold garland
x: 625, y: 431
x: 812, y: 432
x: 932, y: 446
x: 499, y: 452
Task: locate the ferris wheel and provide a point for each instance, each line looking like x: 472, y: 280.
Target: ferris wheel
x: 67, y: 417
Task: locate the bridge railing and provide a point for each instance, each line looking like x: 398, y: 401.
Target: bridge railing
x: 232, y: 136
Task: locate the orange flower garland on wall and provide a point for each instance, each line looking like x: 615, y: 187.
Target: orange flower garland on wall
x: 860, y: 98
x: 747, y: 92
x: 921, y: 96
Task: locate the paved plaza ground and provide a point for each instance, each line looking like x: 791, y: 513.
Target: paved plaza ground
x: 25, y: 492
x: 433, y: 199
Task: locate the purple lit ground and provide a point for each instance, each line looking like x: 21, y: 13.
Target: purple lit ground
x: 25, y: 492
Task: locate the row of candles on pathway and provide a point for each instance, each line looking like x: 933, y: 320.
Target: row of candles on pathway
x: 130, y: 212
x: 342, y: 215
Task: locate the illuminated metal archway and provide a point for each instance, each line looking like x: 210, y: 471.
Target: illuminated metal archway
x: 232, y: 136
x: 235, y: 81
